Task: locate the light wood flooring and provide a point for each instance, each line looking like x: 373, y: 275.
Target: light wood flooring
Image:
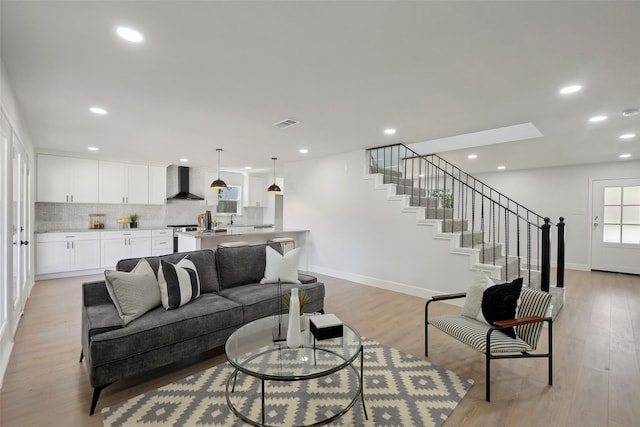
x: 596, y: 371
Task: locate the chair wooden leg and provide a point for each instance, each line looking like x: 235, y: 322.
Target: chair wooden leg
x: 550, y: 325
x: 81, y: 356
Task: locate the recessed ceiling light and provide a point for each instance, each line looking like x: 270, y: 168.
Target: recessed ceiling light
x: 570, y: 89
x: 129, y: 34
x: 304, y: 150
x: 183, y: 160
x: 630, y: 112
x: 628, y: 136
x: 472, y: 156
x: 98, y: 110
x: 501, y: 167
x: 595, y: 119
x: 421, y: 175
x: 248, y: 167
x: 92, y: 148
x: 625, y: 156
x: 389, y: 131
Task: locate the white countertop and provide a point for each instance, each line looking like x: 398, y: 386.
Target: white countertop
x: 240, y: 231
x: 81, y: 230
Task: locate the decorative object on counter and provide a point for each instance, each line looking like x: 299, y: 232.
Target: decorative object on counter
x: 123, y: 222
x: 96, y: 221
x: 294, y: 335
x: 134, y: 221
x: 273, y: 188
x: 218, y: 184
x: 208, y: 221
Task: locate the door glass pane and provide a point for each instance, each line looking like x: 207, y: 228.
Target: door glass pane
x: 631, y: 214
x: 632, y: 195
x: 611, y: 234
x: 612, y: 214
x: 631, y: 234
x: 613, y: 196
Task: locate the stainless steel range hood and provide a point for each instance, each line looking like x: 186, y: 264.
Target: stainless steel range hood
x: 183, y: 186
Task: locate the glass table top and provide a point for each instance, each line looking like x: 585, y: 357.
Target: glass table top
x: 253, y: 350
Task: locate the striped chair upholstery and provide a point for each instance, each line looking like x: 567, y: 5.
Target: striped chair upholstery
x: 534, y: 305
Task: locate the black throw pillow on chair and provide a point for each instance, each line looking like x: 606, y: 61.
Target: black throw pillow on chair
x: 500, y: 302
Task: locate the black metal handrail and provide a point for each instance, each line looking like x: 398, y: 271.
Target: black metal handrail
x: 486, y: 219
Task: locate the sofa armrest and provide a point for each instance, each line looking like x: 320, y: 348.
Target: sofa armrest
x: 306, y: 278
x: 99, y: 314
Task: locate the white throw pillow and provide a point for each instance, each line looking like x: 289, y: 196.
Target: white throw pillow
x: 133, y: 293
x: 473, y: 303
x: 281, y: 267
x: 179, y: 283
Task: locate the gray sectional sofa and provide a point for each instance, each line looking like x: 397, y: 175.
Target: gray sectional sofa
x: 231, y: 295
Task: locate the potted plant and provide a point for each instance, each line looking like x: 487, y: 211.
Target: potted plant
x: 134, y: 221
x: 445, y: 195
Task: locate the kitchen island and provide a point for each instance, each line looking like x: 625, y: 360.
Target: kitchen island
x: 193, y: 240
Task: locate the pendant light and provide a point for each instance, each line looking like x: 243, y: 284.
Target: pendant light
x: 273, y: 188
x: 218, y: 184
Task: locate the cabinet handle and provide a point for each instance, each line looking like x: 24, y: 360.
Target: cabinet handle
x: 72, y: 198
x: 69, y: 237
x: 67, y: 245
x: 73, y: 245
x: 127, y: 199
x: 67, y: 197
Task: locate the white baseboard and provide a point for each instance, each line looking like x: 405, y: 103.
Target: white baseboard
x: 71, y: 274
x: 382, y: 284
x: 5, y: 354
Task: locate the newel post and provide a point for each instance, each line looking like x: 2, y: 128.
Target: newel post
x: 561, y: 240
x: 545, y: 263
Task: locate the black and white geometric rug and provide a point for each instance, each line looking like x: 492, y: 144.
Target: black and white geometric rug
x: 399, y: 390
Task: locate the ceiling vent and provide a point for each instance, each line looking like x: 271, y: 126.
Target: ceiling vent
x: 286, y: 123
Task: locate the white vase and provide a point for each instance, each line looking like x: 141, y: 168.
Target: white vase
x: 294, y: 336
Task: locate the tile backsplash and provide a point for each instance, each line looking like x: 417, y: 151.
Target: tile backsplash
x: 74, y: 216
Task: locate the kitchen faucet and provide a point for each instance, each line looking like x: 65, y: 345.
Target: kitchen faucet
x: 231, y: 222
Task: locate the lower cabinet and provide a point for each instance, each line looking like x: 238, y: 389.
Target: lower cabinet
x: 161, y: 242
x: 59, y: 252
x: 117, y: 245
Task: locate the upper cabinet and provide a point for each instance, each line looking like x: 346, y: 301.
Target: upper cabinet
x: 67, y: 179
x: 157, y: 185
x: 124, y: 183
x: 257, y: 191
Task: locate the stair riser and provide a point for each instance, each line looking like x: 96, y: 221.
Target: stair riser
x: 455, y: 226
x: 428, y: 202
x: 438, y: 213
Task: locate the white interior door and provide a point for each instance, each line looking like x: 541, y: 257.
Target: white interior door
x: 615, y: 228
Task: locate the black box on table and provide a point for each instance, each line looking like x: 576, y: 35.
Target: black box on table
x: 325, y: 326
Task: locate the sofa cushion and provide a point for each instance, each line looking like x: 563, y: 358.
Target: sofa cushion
x: 281, y: 267
x: 179, y: 283
x: 204, y: 260
x: 242, y: 265
x: 159, y: 328
x: 133, y: 293
x: 260, y: 300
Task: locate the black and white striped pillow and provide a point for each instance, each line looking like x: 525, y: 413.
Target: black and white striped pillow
x: 179, y: 283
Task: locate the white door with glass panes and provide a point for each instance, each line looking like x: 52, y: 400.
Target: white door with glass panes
x: 615, y: 225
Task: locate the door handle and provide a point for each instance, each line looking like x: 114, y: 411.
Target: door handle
x: 24, y: 242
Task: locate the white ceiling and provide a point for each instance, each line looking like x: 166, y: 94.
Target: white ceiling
x: 219, y: 74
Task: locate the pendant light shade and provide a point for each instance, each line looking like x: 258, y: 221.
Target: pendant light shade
x: 218, y: 184
x: 273, y: 188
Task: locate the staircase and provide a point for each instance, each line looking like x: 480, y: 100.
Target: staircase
x: 504, y: 239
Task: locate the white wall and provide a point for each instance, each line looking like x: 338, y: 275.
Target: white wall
x: 357, y: 234
x: 562, y: 191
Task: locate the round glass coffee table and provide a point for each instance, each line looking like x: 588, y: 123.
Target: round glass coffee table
x: 258, y: 349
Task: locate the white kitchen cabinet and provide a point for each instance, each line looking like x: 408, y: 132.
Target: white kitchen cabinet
x: 161, y: 242
x: 124, y: 183
x: 257, y: 191
x: 61, y: 252
x: 66, y: 179
x: 117, y: 245
x: 157, y: 185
